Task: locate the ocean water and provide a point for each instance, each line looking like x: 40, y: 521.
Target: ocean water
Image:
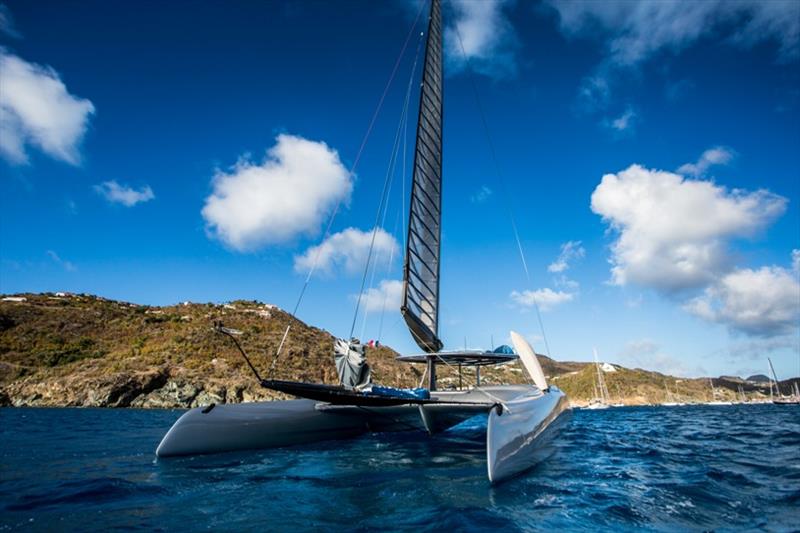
x: 657, y: 468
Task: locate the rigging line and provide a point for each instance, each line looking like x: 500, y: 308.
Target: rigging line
x: 502, y: 184
x: 435, y: 354
x: 387, y: 184
x: 388, y: 270
x: 357, y: 159
x: 403, y: 124
x: 353, y: 169
x: 403, y: 121
x: 392, y: 170
x: 384, y: 199
x: 382, y: 211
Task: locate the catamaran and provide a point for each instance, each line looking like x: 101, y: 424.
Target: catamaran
x: 522, y: 419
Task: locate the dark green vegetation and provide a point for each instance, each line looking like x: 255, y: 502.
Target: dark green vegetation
x: 85, y: 350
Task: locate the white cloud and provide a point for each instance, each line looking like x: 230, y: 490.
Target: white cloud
x: 647, y: 355
x: 387, y: 296
x: 796, y: 261
x: 570, y: 252
x: 673, y: 232
x: 763, y: 302
x: 481, y: 196
x: 347, y: 251
x: 624, y: 121
x: 594, y: 92
x: 7, y: 22
x: 641, y: 347
x: 719, y: 155
x: 287, y: 195
x: 122, y: 194
x: 755, y: 349
x: 486, y: 34
x: 635, y: 31
x: 545, y: 298
x: 36, y: 109
x: 66, y: 265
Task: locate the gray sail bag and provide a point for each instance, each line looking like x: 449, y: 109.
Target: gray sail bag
x: 351, y: 363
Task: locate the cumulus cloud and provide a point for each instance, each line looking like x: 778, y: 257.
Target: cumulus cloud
x: 672, y: 233
x: 796, y: 261
x: 481, y: 196
x: 545, y: 298
x: 286, y: 195
x: 388, y: 295
x: 486, y: 35
x: 122, y: 194
x: 66, y: 265
x: 37, y: 110
x: 718, y: 155
x: 347, y: 251
x: 570, y: 252
x: 635, y: 31
x: 763, y: 302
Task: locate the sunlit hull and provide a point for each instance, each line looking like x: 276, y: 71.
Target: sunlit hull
x: 512, y: 437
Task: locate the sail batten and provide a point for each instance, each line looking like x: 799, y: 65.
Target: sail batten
x: 421, y: 270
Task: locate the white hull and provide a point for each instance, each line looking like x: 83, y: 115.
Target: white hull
x: 517, y: 436
x: 250, y: 426
x: 512, y: 437
x: 594, y: 406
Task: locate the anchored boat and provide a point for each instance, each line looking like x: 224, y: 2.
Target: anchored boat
x: 522, y: 419
x: 780, y: 398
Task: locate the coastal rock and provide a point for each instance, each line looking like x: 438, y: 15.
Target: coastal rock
x: 124, y: 388
x: 173, y: 394
x: 234, y: 394
x: 5, y: 399
x: 209, y: 397
x: 85, y: 390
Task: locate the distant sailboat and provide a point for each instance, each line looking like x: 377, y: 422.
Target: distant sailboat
x: 742, y: 396
x: 780, y: 399
x: 714, y: 400
x: 670, y: 400
x: 521, y: 418
x: 601, y: 397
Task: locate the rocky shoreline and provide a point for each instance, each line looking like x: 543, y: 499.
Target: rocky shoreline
x: 63, y: 350
x: 150, y: 389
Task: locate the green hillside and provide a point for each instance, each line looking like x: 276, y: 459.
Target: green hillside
x: 83, y: 350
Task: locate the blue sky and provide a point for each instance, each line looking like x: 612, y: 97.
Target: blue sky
x: 649, y: 152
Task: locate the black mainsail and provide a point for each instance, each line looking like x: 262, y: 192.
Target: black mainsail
x: 421, y: 269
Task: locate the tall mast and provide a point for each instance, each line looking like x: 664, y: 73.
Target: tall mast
x: 420, y: 306
x: 775, y: 376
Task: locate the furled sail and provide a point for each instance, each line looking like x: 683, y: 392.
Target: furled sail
x: 351, y: 363
x: 421, y: 270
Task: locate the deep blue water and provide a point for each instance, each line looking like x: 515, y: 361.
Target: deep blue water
x: 679, y: 468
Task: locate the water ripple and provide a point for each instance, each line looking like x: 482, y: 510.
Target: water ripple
x: 664, y: 469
